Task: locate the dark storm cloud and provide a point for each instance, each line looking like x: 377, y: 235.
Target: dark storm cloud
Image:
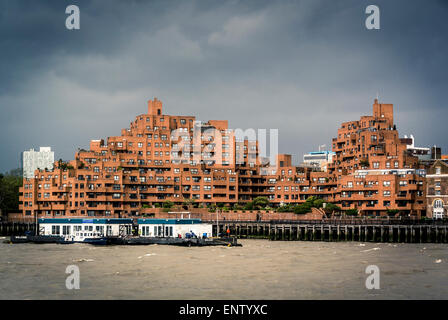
x: 299, y: 66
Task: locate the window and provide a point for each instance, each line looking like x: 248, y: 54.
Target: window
x: 438, y: 170
x: 438, y: 203
x: 65, y: 230
x: 55, y: 229
x: 386, y: 183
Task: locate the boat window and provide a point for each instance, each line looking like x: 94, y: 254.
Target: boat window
x: 65, y: 230
x: 55, y: 229
x: 155, y: 231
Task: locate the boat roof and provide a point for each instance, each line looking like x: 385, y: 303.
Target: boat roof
x: 82, y: 220
x: 168, y: 221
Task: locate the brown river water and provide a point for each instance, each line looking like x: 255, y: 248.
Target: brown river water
x: 261, y: 269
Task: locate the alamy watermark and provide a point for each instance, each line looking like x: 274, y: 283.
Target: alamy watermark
x: 373, y: 20
x: 373, y: 280
x: 73, y: 21
x: 73, y: 280
x: 204, y: 144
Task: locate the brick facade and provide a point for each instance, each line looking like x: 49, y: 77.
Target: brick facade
x: 437, y: 190
x: 176, y: 158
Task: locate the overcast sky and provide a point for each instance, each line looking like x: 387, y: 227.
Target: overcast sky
x: 300, y: 66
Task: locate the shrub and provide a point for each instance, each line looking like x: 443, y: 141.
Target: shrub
x: 392, y: 212
x: 285, y: 208
x: 168, y: 204
x: 301, y: 209
x: 351, y: 212
x: 364, y: 163
x: 249, y: 205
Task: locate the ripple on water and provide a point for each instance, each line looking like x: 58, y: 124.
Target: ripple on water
x: 261, y: 269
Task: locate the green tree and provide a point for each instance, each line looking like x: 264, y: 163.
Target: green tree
x: 302, y: 208
x: 260, y: 202
x: 9, y: 191
x: 330, y: 208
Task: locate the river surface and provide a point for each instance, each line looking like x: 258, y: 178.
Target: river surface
x: 261, y: 269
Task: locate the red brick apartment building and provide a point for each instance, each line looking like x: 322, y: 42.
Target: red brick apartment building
x: 176, y: 158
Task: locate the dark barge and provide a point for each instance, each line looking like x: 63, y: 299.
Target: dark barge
x: 186, y: 242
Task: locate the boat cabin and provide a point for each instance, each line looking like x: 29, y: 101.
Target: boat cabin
x: 79, y: 229
x: 175, y: 228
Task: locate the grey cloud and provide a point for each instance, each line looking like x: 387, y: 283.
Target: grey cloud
x: 300, y: 66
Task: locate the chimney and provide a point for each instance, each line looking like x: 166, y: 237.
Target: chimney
x: 155, y: 107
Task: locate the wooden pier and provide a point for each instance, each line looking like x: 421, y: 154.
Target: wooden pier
x: 8, y: 228
x: 326, y: 231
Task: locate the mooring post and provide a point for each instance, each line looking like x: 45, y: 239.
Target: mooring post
x: 437, y: 234
x: 446, y: 236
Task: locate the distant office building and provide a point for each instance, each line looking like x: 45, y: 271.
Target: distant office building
x: 436, y: 153
x: 318, y: 159
x: 32, y: 160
